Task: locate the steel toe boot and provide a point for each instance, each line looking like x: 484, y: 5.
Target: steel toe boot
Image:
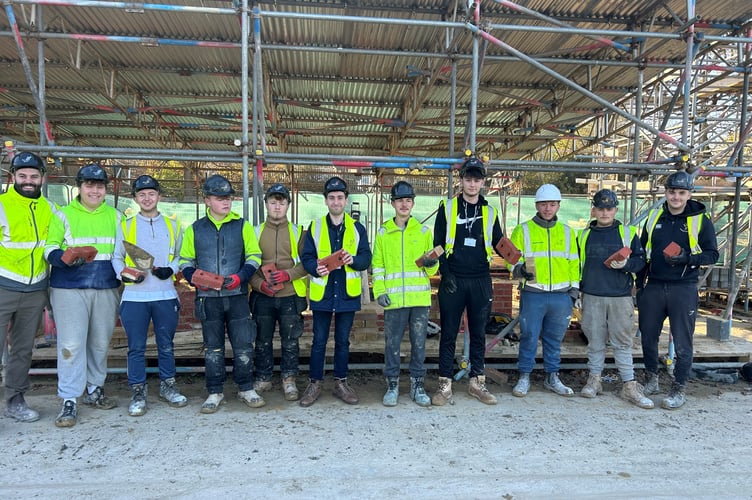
x: 311, y: 394
x: 67, y: 416
x: 97, y: 399
x: 651, y: 384
x: 251, y: 398
x: 262, y: 385
x: 212, y: 403
x: 477, y: 389
x: 138, y: 400
x: 168, y: 391
x: 676, y: 397
x: 593, y: 386
x: 418, y: 392
x: 443, y: 393
x: 17, y: 408
x: 290, y: 388
x: 522, y: 386
x: 344, y: 392
x: 632, y: 391
x: 392, y: 392
x: 552, y: 383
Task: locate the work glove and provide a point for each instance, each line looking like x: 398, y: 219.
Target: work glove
x: 79, y: 261
x: 449, y: 282
x: 429, y: 262
x: 520, y: 271
x: 231, y: 282
x: 266, y: 289
x: 278, y: 277
x: 162, y: 273
x: 126, y: 279
x: 383, y: 300
x: 678, y: 260
x: 574, y: 294
x: 618, y: 264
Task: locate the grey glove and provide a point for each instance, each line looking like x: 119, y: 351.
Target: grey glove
x: 574, y: 294
x: 449, y: 282
x: 429, y: 262
x: 383, y: 300
x: 618, y: 264
x: 520, y: 271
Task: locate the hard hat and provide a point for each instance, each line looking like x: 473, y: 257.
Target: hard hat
x: 335, y: 184
x: 473, y: 167
x: 402, y: 189
x: 279, y: 189
x: 680, y: 180
x: 216, y: 185
x: 605, y: 198
x: 91, y: 172
x: 145, y: 182
x: 547, y: 192
x: 27, y: 160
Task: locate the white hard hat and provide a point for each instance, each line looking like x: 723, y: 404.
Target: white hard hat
x: 547, y: 192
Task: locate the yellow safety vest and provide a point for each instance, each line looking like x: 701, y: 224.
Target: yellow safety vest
x: 129, y: 235
x: 299, y: 284
x: 351, y: 239
x: 693, y: 226
x: 488, y: 215
x: 554, y: 254
x: 626, y: 239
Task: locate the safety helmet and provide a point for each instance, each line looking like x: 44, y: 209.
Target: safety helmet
x: 605, y: 198
x: 547, y: 192
x: 216, y: 185
x: 27, y: 160
x: 145, y: 182
x: 335, y: 184
x: 91, y: 172
x: 680, y: 180
x: 402, y: 189
x: 473, y: 167
x: 279, y: 189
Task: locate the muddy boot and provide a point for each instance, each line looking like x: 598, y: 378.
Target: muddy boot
x: 523, y: 385
x: 443, y: 393
x: 212, y: 403
x: 251, y: 398
x: 392, y: 392
x: 68, y: 415
x: 138, y: 400
x: 262, y: 385
x: 676, y: 398
x: 311, y: 394
x: 17, y: 408
x: 418, y: 392
x: 552, y: 383
x: 344, y: 392
x: 477, y: 389
x: 593, y: 386
x: 651, y: 384
x: 97, y: 399
x: 168, y: 391
x: 632, y: 391
x: 290, y: 388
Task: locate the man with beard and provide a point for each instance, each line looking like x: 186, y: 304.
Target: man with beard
x: 24, y: 219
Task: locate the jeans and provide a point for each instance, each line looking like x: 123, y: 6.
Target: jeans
x: 678, y: 302
x: 545, y: 316
x: 322, y: 321
x: 395, y: 321
x: 135, y: 317
x: 216, y: 315
x: 609, y: 320
x: 268, y: 312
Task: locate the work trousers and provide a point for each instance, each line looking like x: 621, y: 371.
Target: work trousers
x: 609, y: 321
x: 395, y: 322
x: 268, y: 312
x: 473, y: 296
x: 85, y: 319
x: 322, y: 321
x: 544, y: 316
x: 135, y: 317
x: 23, y: 310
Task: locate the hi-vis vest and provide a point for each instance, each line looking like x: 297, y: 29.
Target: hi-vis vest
x: 488, y: 214
x: 299, y: 284
x: 693, y: 227
x: 129, y: 235
x: 626, y: 239
x: 351, y: 239
x: 557, y: 265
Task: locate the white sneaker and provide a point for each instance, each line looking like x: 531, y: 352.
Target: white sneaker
x: 211, y: 405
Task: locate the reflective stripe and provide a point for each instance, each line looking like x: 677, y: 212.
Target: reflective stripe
x: 77, y: 242
x: 694, y: 222
x: 409, y: 288
x: 5, y: 273
x: 487, y: 214
x: 350, y: 243
x: 396, y: 276
x: 22, y: 245
x: 626, y: 240
x: 557, y: 261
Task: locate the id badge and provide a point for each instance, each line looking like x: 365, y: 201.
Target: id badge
x: 469, y: 242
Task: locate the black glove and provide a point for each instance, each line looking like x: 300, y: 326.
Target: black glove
x: 520, y: 271
x: 429, y: 262
x: 678, y: 260
x: 139, y: 279
x: 162, y: 273
x: 449, y: 282
x: 383, y: 300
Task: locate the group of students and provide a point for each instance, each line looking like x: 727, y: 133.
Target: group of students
x: 282, y: 263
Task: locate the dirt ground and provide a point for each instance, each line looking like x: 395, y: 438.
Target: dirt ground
x: 541, y: 446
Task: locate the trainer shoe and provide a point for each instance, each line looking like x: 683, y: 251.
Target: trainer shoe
x: 97, y: 399
x: 168, y: 391
x: 251, y: 398
x: 211, y: 405
x: 67, y: 417
x: 17, y: 408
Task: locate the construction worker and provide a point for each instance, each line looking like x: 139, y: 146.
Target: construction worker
x: 150, y: 295
x: 336, y: 292
x: 468, y: 229
x: 24, y: 220
x: 550, y: 272
x: 607, y: 307
x: 403, y: 289
x: 671, y: 289
x: 84, y: 295
x: 223, y: 243
x: 280, y: 300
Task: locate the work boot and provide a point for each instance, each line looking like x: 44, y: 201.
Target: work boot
x: 676, y: 398
x: 477, y: 389
x: 97, y: 399
x: 344, y: 391
x: 552, y: 383
x: 168, y: 391
x: 418, y: 392
x: 593, y: 386
x: 522, y: 386
x: 67, y: 416
x: 632, y: 391
x: 251, y: 398
x: 392, y: 392
x: 138, y: 400
x: 290, y: 388
x: 262, y: 385
x: 443, y: 393
x: 17, y: 408
x: 211, y: 405
x: 311, y: 394
x: 651, y: 384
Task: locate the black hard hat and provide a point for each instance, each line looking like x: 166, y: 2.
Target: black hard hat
x: 680, y: 180
x: 402, y: 189
x: 216, y: 185
x: 27, y: 160
x: 605, y: 198
x: 335, y: 184
x: 145, y: 182
x: 473, y: 167
x: 279, y: 189
x: 91, y: 172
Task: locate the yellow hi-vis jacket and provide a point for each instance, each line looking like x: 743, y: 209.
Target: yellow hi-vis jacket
x: 693, y: 226
x: 395, y: 251
x: 350, y: 240
x: 299, y: 284
x: 488, y: 215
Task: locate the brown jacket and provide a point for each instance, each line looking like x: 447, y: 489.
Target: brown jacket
x: 274, y: 242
